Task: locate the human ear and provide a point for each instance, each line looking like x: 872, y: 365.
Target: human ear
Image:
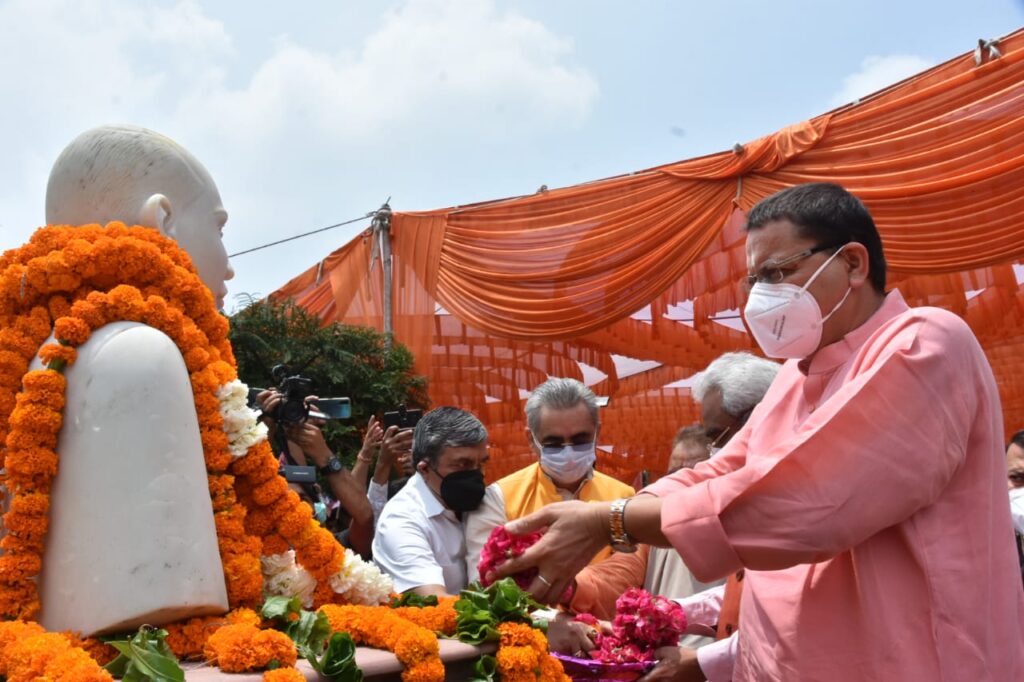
x: 156, y: 212
x: 858, y: 263
x: 530, y: 439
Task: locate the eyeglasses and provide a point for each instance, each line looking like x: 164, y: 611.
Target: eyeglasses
x: 734, y: 427
x: 713, y: 445
x: 771, y: 272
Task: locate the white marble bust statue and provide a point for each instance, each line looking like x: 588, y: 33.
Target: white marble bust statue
x: 132, y: 537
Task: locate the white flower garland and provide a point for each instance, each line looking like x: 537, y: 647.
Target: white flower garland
x: 241, y: 425
x: 358, y: 581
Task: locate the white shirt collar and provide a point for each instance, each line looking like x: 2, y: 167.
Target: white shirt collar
x: 432, y: 506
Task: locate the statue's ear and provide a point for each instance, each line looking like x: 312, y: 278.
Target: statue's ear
x: 156, y: 213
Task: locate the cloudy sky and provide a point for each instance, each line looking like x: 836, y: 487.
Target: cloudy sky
x: 317, y: 113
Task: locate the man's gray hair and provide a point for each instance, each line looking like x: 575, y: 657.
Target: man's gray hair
x: 742, y: 378
x: 445, y: 427
x: 559, y: 394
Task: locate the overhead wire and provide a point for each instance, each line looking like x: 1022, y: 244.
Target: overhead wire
x: 304, y: 234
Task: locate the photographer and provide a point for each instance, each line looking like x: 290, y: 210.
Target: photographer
x: 395, y: 452
x: 306, y: 446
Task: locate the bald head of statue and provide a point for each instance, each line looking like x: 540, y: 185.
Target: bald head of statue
x: 140, y: 177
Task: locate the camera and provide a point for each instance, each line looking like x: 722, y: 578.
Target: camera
x: 294, y: 408
x: 294, y: 390
x: 402, y: 418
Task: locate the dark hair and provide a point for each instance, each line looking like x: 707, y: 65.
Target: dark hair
x: 1017, y: 439
x: 828, y: 214
x: 445, y: 427
x: 693, y: 432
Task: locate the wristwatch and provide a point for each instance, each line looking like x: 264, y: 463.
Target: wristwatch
x: 621, y: 542
x: 333, y: 466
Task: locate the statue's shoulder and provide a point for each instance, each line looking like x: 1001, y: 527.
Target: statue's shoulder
x: 128, y: 367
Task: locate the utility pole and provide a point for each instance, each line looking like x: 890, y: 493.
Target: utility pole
x: 381, y: 227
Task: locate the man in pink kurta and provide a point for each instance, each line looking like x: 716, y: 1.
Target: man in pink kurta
x: 864, y: 497
x: 866, y: 490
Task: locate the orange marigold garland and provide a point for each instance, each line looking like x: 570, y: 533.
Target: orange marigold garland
x: 71, y: 281
x: 187, y: 639
x: 244, y: 648
x: 100, y: 651
x: 523, y: 656
x: 28, y: 654
x: 379, y: 626
x: 441, y: 619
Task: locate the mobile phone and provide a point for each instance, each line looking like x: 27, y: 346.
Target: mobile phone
x: 402, y: 418
x: 330, y: 408
x: 293, y: 473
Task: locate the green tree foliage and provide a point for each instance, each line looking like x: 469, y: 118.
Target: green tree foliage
x: 342, y: 360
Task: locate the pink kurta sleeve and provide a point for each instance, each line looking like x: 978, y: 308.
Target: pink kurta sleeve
x: 729, y: 459
x: 883, y: 446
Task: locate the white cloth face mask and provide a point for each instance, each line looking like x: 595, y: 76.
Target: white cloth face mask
x: 567, y: 463
x: 785, y: 319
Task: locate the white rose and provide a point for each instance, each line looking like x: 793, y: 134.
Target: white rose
x: 272, y: 564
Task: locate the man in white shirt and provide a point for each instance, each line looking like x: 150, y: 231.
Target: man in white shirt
x: 420, y: 540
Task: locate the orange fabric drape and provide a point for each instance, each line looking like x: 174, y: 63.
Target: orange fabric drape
x: 633, y: 283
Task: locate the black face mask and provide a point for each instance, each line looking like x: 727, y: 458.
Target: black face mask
x: 463, y: 491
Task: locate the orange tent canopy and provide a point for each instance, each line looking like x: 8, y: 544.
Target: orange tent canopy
x: 633, y: 283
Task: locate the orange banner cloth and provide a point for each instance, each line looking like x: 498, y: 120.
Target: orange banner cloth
x: 493, y: 298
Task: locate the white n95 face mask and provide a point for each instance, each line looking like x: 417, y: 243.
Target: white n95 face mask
x: 785, y: 319
x: 567, y: 463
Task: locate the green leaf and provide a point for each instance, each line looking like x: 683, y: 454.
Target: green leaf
x: 485, y: 670
x: 479, y: 611
x: 413, y: 599
x: 279, y: 607
x: 155, y: 665
x: 146, y: 657
x: 338, y: 662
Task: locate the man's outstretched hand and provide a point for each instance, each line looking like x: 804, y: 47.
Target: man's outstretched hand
x: 576, y: 531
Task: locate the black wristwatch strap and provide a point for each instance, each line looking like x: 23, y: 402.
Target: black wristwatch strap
x: 333, y: 466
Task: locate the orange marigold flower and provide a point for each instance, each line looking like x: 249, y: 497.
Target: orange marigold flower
x: 267, y: 492
x: 274, y: 544
x: 188, y: 638
x: 23, y: 526
x: 89, y: 313
x: 551, y: 670
x: 284, y: 675
x: 14, y: 631
x: 44, y: 380
x: 259, y: 521
x: 243, y: 617
x: 440, y: 618
x: 34, y: 418
x: 101, y: 652
x: 519, y: 634
x: 25, y: 464
x: 71, y: 330
x: 294, y: 521
x: 13, y: 363
x: 31, y: 504
x: 427, y: 671
x: 517, y: 659
x: 18, y: 439
x: 50, y: 656
x: 18, y: 567
x: 55, y: 352
x: 58, y: 307
x: 245, y: 648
